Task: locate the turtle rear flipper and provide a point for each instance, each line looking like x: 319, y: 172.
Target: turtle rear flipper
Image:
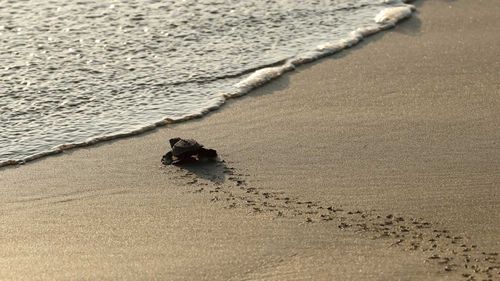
x: 167, y: 159
x: 207, y: 153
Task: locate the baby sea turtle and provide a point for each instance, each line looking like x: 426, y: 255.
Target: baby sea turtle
x: 184, y: 149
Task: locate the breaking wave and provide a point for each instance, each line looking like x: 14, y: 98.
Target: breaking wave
x: 230, y: 84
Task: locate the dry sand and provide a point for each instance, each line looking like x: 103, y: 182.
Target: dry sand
x: 379, y: 163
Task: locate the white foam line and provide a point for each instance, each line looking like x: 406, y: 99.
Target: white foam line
x: 390, y: 16
x: 386, y: 18
x: 258, y: 78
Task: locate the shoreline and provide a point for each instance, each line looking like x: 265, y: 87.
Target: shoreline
x: 334, y: 171
x: 387, y: 18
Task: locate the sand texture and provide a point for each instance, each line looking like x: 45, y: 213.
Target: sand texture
x: 379, y: 163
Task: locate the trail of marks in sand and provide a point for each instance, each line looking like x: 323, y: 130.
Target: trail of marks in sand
x: 452, y: 253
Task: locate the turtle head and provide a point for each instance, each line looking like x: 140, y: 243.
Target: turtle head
x: 173, y: 141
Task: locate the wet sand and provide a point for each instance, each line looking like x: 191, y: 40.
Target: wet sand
x: 379, y: 163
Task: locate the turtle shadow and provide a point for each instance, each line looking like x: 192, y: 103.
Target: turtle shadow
x: 211, y: 170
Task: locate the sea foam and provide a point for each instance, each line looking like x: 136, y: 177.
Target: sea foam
x: 201, y: 82
x: 386, y: 18
x: 390, y: 16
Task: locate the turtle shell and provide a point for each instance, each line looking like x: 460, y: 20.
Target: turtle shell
x: 185, y: 147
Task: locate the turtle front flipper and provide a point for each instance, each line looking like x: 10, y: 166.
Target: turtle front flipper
x: 167, y: 159
x: 173, y: 141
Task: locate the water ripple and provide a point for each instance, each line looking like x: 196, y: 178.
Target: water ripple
x: 76, y: 72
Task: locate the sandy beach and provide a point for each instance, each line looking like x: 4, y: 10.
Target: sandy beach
x: 381, y: 162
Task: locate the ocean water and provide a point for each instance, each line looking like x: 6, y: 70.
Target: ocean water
x: 76, y: 72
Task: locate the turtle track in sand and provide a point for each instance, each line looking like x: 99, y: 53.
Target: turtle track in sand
x: 447, y: 251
